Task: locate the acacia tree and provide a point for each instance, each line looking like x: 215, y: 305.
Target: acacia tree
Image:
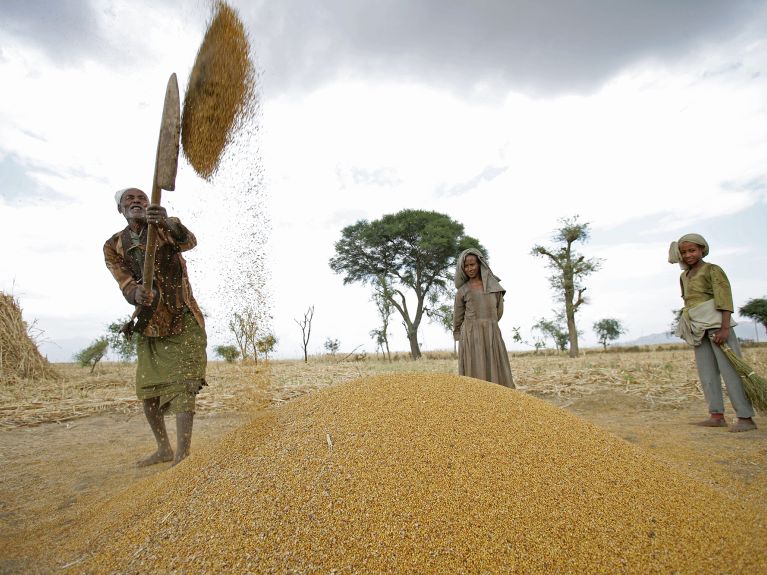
x: 570, y: 268
x: 756, y: 309
x: 608, y: 329
x: 306, y: 330
x: 413, y: 251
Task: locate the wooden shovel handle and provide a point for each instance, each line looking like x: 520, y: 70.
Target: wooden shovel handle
x: 151, y: 238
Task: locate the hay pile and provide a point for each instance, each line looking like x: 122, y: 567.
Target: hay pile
x: 419, y: 473
x: 220, y: 94
x: 19, y: 356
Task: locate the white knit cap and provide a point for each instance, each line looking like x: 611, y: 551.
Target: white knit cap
x: 119, y: 197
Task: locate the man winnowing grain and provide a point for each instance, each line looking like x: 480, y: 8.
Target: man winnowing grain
x: 171, y: 329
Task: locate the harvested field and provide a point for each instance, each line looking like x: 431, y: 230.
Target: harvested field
x: 646, y: 398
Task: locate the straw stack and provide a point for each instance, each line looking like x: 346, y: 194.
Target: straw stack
x: 19, y: 356
x: 419, y: 473
x: 220, y: 94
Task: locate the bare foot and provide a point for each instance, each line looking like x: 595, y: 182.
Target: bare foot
x: 156, y: 457
x: 179, y: 458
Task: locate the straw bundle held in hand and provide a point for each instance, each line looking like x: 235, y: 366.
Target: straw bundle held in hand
x: 220, y: 94
x: 754, y: 384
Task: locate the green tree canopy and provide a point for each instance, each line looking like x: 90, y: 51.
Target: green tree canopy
x: 121, y: 345
x: 413, y: 252
x: 554, y: 329
x: 228, y: 353
x: 92, y: 354
x: 608, y: 330
x: 755, y: 309
x: 569, y: 269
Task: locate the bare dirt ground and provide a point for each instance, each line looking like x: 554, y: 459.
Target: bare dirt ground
x: 52, y: 471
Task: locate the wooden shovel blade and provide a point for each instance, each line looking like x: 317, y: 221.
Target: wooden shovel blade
x: 168, y: 143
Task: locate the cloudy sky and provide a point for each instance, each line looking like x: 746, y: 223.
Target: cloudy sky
x: 647, y: 119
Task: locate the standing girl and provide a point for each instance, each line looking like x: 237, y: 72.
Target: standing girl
x: 478, y: 307
x: 705, y: 323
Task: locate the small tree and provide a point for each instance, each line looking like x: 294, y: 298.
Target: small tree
x: 555, y: 330
x: 245, y: 326
x: 331, y: 346
x: 538, y: 344
x: 382, y: 298
x: 228, y: 353
x: 569, y: 270
x: 266, y: 344
x: 677, y: 313
x: 121, y: 345
x: 756, y: 309
x: 306, y: 330
x: 92, y: 354
x: 608, y: 330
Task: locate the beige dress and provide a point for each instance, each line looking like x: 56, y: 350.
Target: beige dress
x: 482, y: 352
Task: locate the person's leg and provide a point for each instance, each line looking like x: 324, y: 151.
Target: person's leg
x: 155, y: 416
x: 740, y: 402
x: 184, y: 423
x: 710, y: 381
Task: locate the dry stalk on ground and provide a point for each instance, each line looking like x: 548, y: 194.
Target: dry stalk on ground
x: 660, y: 379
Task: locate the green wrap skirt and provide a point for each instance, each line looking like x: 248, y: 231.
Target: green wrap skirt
x: 173, y: 367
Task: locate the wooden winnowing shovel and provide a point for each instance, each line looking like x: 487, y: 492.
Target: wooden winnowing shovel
x: 165, y: 168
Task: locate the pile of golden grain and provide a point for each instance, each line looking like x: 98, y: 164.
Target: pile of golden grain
x: 19, y: 356
x: 220, y: 94
x: 419, y: 473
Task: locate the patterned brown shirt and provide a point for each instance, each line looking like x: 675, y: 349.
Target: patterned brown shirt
x: 124, y: 258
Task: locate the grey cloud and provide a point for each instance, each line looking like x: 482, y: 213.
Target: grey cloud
x: 486, y: 175
x: 65, y: 30
x: 18, y: 187
x: 538, y: 47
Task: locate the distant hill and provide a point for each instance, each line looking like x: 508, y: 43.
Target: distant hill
x: 652, y: 339
x: 745, y: 330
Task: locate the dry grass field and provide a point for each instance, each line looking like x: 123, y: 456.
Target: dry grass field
x: 71, y: 442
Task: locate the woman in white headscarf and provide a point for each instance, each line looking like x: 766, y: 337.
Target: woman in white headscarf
x: 705, y: 323
x: 478, y: 307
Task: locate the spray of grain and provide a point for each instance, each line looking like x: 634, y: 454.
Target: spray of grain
x: 220, y: 94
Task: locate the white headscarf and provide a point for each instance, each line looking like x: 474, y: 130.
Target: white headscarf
x: 675, y: 256
x: 489, y: 280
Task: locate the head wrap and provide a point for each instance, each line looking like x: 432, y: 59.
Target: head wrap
x: 489, y: 280
x: 675, y: 257
x: 119, y: 197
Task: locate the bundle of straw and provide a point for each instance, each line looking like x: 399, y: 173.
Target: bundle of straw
x: 19, y: 356
x: 220, y: 95
x: 754, y: 384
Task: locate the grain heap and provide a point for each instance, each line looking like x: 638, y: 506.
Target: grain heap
x: 220, y: 93
x: 426, y: 473
x: 19, y: 356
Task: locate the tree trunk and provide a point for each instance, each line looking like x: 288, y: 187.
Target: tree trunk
x: 415, y: 350
x: 572, y: 330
